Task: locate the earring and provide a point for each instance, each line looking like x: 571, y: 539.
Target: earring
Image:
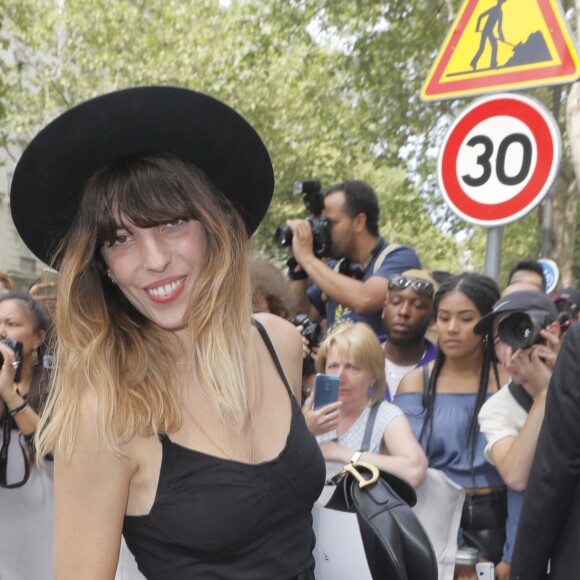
x: 110, y: 275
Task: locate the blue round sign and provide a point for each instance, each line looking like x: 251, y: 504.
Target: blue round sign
x: 552, y: 273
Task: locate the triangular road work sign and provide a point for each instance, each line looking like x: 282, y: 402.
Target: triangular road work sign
x: 497, y: 45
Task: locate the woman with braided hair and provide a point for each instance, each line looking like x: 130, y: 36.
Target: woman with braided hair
x: 442, y: 401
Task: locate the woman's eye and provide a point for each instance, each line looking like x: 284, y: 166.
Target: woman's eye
x: 120, y: 240
x: 174, y: 224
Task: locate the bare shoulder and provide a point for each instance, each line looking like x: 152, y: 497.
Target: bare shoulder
x: 283, y: 334
x: 287, y: 343
x: 89, y: 446
x: 412, y: 382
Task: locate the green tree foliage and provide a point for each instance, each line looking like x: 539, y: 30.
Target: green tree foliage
x: 331, y: 85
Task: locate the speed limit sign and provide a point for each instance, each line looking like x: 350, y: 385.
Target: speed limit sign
x: 499, y: 159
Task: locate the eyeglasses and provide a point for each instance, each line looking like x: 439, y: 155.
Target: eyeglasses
x: 398, y: 282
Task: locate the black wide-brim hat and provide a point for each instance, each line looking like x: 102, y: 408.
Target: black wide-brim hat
x: 58, y: 162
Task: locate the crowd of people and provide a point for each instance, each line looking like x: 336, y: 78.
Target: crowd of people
x: 164, y: 394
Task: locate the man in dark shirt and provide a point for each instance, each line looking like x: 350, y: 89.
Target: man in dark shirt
x: 354, y: 285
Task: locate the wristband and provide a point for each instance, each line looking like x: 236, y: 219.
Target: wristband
x: 356, y: 456
x: 18, y: 410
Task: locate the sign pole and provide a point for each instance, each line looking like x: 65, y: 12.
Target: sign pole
x: 493, y: 252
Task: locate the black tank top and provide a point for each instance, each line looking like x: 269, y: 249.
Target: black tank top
x: 213, y: 518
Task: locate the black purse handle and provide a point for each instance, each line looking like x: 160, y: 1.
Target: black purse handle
x: 7, y: 423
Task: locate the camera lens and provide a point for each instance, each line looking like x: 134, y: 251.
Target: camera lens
x: 519, y: 330
x: 283, y: 236
x: 523, y: 330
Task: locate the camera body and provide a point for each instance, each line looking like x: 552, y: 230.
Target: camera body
x: 312, y: 331
x: 521, y: 329
x: 314, y: 334
x: 321, y: 228
x: 16, y: 346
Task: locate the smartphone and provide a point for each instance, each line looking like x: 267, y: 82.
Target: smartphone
x: 325, y: 390
x: 484, y: 571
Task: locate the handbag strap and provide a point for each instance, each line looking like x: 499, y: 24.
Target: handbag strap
x: 366, y: 444
x: 425, y: 371
x: 6, y: 432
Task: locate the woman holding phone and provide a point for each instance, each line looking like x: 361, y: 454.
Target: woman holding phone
x: 173, y: 417
x: 367, y: 428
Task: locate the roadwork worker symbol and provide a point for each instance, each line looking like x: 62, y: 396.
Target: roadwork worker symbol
x: 502, y: 44
x: 533, y: 50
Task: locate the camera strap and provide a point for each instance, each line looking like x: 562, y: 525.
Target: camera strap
x: 7, y: 424
x: 378, y: 262
x: 522, y: 397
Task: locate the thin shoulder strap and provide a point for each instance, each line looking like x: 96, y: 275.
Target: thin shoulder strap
x: 384, y: 253
x: 273, y: 354
x: 366, y: 444
x: 425, y: 369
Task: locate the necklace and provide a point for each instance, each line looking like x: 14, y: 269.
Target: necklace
x: 223, y: 451
x: 390, y: 372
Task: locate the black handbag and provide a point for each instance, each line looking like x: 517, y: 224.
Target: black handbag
x: 395, y: 543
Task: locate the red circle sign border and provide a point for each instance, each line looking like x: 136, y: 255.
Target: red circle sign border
x: 547, y: 137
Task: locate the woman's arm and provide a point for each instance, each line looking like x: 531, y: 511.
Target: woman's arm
x: 412, y: 382
x: 26, y: 418
x: 400, y: 452
x: 91, y: 491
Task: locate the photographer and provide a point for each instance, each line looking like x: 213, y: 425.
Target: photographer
x: 26, y: 489
x: 526, y: 335
x: 549, y: 526
x: 352, y: 287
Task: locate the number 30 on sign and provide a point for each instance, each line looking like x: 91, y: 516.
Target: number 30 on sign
x: 499, y: 159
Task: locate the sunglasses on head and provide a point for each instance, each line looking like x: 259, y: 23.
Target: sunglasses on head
x: 398, y: 282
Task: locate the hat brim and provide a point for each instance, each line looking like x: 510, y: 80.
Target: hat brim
x: 485, y: 323
x: 62, y: 157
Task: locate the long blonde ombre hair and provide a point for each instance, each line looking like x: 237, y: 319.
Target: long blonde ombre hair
x: 106, y: 345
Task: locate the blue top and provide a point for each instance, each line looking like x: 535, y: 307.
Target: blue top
x: 395, y: 262
x: 449, y: 448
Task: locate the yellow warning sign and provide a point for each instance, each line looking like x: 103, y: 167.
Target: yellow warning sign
x: 498, y: 45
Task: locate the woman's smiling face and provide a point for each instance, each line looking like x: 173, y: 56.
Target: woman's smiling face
x: 156, y: 267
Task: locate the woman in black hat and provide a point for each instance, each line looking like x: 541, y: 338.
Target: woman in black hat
x: 173, y: 419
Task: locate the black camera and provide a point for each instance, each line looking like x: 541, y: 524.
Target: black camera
x: 16, y: 346
x: 312, y: 331
x: 314, y: 334
x: 314, y: 201
x: 522, y: 329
